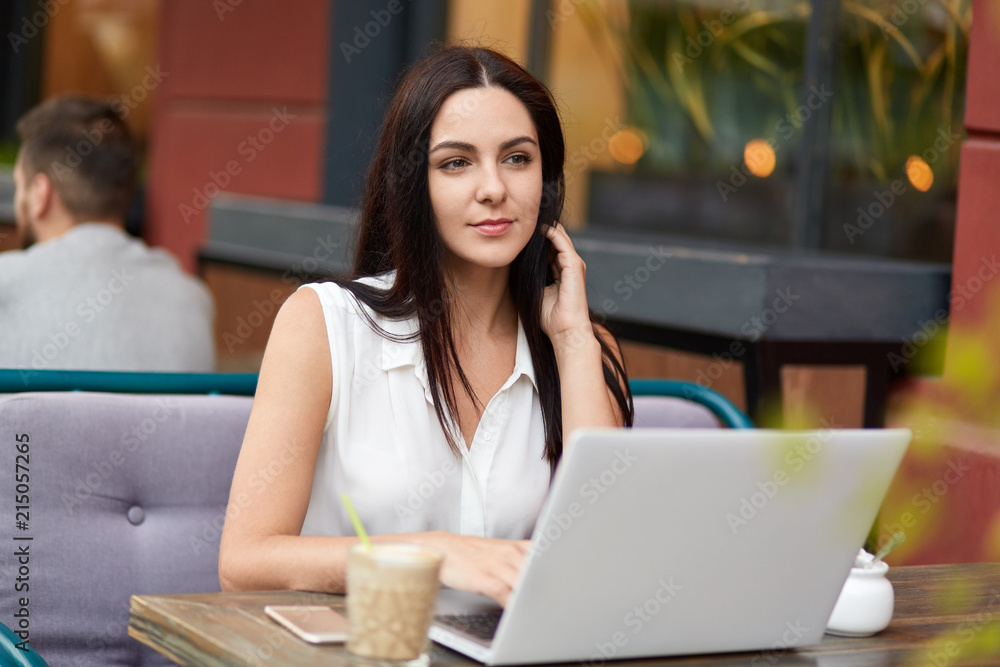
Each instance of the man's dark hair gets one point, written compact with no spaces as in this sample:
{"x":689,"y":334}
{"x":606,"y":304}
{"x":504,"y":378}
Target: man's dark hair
{"x":86,"y":150}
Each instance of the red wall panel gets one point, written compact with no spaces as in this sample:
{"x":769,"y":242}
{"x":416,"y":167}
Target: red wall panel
{"x":948,"y":507}
{"x":975,"y":273}
{"x":975,"y":281}
{"x":983,"y":98}
{"x":270,"y":154}
{"x":242,"y":109}
{"x":253,"y":51}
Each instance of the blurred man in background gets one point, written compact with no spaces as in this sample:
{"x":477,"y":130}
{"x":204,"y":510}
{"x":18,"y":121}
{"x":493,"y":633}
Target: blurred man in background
{"x":82,"y":294}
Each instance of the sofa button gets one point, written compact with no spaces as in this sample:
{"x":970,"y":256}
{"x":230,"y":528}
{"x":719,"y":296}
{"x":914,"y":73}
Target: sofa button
{"x":136,"y":515}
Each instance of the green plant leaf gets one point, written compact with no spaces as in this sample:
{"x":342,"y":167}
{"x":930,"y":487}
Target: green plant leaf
{"x":757,"y":20}
{"x":887,"y":26}
{"x":690,"y":94}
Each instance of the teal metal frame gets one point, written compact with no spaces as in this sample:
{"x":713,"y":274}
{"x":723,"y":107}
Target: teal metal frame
{"x":720,"y":406}
{"x":15,"y":657}
{"x":245,"y":384}
{"x":124,"y":382}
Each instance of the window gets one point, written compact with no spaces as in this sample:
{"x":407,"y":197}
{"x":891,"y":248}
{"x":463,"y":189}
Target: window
{"x":717,"y":123}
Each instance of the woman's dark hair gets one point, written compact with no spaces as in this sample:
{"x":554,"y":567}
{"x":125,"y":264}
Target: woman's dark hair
{"x":397,"y":231}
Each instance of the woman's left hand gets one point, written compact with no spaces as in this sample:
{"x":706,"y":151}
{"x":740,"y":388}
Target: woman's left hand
{"x":564,"y":303}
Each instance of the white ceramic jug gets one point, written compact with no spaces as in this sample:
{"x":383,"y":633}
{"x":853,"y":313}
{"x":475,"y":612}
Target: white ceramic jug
{"x":865,"y":604}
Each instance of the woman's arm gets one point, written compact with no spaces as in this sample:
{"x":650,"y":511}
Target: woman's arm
{"x":587,"y":401}
{"x":261,"y":547}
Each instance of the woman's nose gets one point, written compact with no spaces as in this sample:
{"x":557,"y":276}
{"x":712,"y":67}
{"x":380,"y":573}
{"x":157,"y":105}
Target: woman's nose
{"x":492,"y":188}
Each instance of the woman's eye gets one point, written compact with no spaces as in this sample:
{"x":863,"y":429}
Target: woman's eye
{"x":452,"y":165}
{"x":520,"y":158}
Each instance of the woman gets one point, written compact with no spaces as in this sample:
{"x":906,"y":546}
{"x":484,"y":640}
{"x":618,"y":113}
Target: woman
{"x":449,"y":314}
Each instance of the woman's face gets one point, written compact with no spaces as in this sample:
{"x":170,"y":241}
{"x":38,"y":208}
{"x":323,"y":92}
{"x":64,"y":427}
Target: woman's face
{"x":485,"y":177}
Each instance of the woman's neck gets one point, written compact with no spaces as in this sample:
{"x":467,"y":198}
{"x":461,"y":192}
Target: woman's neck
{"x":482,"y":303}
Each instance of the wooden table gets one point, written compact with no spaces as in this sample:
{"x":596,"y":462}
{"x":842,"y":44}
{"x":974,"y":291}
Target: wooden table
{"x":946,"y":615}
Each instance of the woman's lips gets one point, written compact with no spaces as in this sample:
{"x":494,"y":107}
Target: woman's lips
{"x":493,"y":227}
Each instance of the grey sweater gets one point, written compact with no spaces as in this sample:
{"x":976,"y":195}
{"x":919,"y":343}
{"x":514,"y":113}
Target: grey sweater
{"x":95,"y":298}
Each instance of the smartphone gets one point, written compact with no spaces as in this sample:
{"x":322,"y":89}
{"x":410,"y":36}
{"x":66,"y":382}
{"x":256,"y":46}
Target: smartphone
{"x":315,"y":624}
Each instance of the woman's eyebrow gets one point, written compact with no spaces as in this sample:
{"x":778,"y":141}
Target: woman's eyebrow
{"x":514,"y":142}
{"x":469,"y":148}
{"x":454,"y":145}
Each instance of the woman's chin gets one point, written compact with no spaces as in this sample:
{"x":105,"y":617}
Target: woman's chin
{"x":480,"y":262}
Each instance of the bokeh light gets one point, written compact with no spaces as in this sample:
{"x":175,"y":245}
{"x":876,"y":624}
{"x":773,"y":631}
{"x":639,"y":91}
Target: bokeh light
{"x":628,"y":145}
{"x":759,"y":158}
{"x":919,"y":173}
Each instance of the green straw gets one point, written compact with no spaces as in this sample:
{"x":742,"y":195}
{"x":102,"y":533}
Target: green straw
{"x":898,"y":538}
{"x":356,"y":520}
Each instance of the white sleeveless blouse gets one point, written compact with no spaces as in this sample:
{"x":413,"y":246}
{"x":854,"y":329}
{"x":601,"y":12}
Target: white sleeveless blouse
{"x":384,"y":446}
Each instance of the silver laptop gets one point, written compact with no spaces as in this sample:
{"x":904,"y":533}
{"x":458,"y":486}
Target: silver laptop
{"x":658,"y":542}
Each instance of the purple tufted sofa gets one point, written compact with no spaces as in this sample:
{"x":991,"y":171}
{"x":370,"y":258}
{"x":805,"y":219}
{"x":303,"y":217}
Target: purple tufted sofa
{"x":127,"y":495}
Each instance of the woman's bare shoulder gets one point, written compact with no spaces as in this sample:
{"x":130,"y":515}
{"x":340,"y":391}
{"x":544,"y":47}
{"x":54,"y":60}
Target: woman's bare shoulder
{"x":300,"y":317}
{"x":298,"y":346}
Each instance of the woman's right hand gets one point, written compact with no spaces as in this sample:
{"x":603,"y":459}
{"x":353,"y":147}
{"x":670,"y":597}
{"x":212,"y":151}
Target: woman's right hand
{"x":477,"y":564}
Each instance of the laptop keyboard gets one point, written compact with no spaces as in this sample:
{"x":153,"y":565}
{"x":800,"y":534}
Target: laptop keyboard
{"x":481,"y":626}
